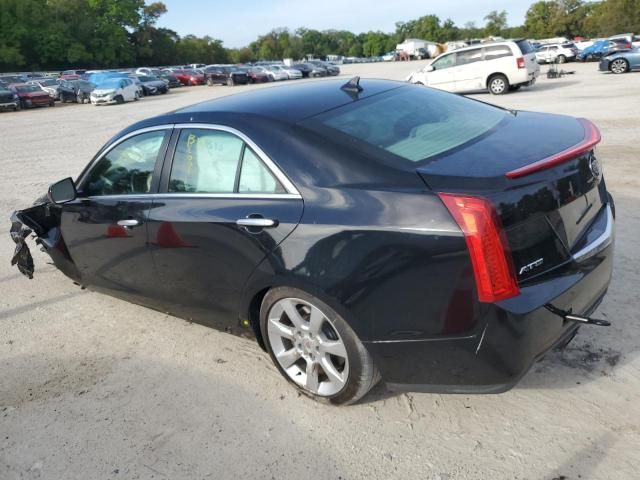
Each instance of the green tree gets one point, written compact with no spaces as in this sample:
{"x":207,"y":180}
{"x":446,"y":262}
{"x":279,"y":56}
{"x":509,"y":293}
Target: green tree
{"x":496,"y":22}
{"x":614,"y":16}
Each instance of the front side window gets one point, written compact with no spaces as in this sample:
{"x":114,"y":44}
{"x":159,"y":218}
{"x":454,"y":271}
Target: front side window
{"x":127,"y":168}
{"x":444,"y":62}
{"x":214,"y":161}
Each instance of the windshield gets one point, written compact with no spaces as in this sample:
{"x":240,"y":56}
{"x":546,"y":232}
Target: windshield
{"x":28,"y":88}
{"x":48,"y":82}
{"x":144,"y":78}
{"x":111,"y":83}
{"x":414,"y":123}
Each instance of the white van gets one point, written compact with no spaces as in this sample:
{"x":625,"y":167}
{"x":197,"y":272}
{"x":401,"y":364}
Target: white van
{"x":496,"y":66}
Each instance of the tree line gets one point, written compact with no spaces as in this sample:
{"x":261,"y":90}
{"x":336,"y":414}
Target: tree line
{"x":58,"y":34}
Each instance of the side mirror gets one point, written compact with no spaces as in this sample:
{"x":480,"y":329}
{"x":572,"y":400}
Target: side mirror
{"x":429,"y":68}
{"x":62,"y":191}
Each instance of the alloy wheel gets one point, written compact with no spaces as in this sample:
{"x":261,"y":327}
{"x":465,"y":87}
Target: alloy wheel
{"x":619,"y":66}
{"x":498,"y":86}
{"x":307,"y":346}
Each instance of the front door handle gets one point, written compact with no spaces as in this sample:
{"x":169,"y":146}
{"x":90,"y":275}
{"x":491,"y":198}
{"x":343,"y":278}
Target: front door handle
{"x":129,"y":223}
{"x":257,"y":222}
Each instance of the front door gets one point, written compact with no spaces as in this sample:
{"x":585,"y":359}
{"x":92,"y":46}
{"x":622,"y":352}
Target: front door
{"x":223,"y":207}
{"x":443,"y":74}
{"x":105,"y":228}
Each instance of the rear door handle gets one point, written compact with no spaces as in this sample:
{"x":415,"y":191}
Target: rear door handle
{"x":129,"y":223}
{"x":257,"y":222}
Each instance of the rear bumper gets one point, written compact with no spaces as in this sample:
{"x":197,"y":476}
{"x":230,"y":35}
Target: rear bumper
{"x":516,"y":333}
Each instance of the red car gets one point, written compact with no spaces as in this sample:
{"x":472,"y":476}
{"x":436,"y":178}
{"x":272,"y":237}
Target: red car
{"x":189,"y":77}
{"x":257,"y":75}
{"x":31,"y":95}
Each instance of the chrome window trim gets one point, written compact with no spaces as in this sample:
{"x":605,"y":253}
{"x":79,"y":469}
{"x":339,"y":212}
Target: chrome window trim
{"x":273,"y":168}
{"x":81,"y":179}
{"x":154,"y":196}
{"x":600,"y":243}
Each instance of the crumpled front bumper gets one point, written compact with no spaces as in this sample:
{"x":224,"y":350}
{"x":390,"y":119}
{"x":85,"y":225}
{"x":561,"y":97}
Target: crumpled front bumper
{"x":21,"y":255}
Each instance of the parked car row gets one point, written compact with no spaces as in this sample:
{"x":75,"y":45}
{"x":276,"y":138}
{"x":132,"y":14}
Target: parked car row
{"x":266,"y":72}
{"x":100,"y":87}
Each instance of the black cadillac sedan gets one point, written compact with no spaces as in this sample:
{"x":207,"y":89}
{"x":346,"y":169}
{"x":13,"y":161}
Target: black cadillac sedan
{"x":367,"y":231}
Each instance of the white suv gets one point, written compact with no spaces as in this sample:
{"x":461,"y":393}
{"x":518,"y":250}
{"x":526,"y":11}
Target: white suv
{"x":497,"y":66}
{"x":556,"y":53}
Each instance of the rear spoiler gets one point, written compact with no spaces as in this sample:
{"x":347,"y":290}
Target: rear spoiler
{"x":591,"y":138}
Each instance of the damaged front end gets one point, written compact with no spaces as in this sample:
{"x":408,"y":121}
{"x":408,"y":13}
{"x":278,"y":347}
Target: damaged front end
{"x":39,"y":219}
{"x":42,"y":220}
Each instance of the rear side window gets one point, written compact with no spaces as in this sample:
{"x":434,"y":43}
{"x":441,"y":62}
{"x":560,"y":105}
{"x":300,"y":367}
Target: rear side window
{"x":469,"y":56}
{"x":414,"y":123}
{"x":213,"y":161}
{"x":497,"y":51}
{"x":524,"y":46}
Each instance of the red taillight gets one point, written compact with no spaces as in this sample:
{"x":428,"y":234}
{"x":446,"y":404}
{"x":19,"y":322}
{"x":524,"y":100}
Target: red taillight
{"x":487,"y":244}
{"x":591,"y":139}
{"x":520,"y":62}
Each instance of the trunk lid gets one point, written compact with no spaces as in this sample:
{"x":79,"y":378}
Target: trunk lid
{"x":544,"y":213}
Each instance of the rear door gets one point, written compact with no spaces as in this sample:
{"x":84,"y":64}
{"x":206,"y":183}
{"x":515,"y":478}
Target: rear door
{"x":105,"y":228}
{"x":222,"y":207}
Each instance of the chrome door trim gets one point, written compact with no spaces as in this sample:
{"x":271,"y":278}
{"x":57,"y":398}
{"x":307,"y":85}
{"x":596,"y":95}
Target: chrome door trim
{"x":275,"y":170}
{"x":156,"y":196}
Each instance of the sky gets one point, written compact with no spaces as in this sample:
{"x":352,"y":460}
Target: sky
{"x":238,"y":23}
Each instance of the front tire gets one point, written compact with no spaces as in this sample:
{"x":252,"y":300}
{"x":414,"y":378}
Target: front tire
{"x":119,"y":100}
{"x":314,"y":348}
{"x":561,"y":59}
{"x":498,"y":85}
{"x":618,"y":66}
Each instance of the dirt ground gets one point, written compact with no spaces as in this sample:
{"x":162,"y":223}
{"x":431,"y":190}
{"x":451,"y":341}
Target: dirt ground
{"x":95,"y":388}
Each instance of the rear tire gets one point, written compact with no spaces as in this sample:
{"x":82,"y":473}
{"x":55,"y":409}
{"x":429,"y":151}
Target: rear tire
{"x":561,"y":59}
{"x":498,"y":84}
{"x":314,"y":348}
{"x":618,"y":66}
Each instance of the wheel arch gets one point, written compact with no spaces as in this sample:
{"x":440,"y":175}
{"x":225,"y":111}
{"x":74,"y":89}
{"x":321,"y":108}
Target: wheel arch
{"x":494,"y":74}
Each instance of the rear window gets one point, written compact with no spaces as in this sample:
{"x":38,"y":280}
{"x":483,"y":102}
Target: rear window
{"x":415,"y":123}
{"x":524,"y":46}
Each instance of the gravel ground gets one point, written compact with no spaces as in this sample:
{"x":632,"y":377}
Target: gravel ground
{"x":93,"y":387}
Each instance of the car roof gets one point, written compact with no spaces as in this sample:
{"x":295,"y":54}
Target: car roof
{"x":293,"y":103}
